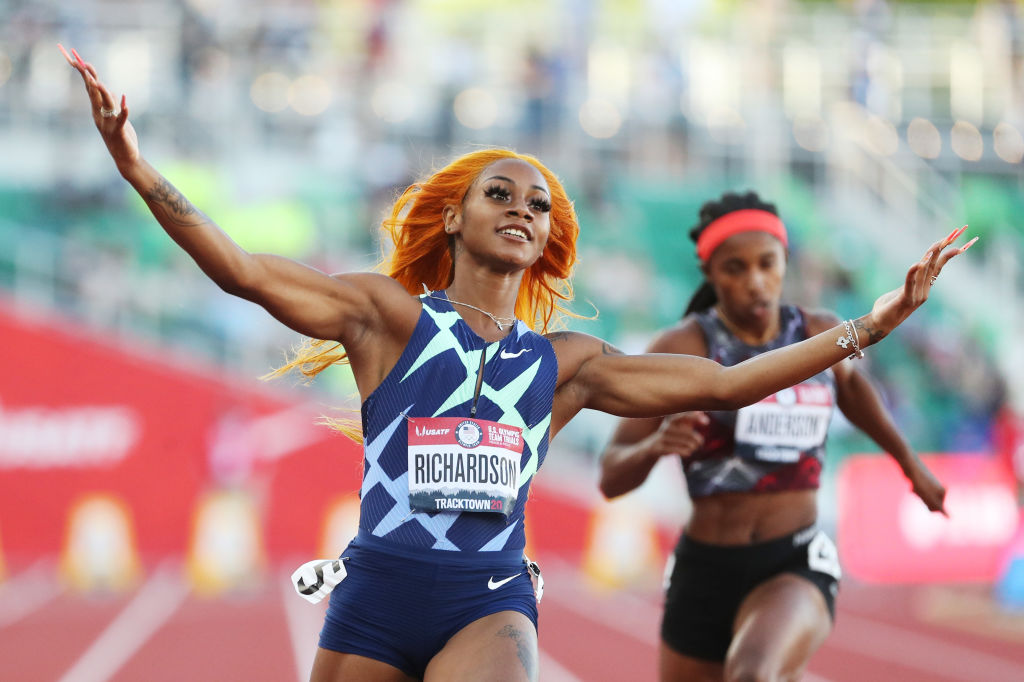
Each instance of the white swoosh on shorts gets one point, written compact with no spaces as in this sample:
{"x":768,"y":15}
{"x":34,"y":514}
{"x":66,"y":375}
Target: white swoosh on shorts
{"x":493,"y":584}
{"x":505,"y":355}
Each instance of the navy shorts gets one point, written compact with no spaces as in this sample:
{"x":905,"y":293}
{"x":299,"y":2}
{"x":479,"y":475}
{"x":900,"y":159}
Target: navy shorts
{"x":400,"y":605}
{"x":708,"y":583}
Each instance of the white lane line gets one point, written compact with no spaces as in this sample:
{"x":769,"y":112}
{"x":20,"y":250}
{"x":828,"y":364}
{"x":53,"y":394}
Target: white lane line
{"x":874,"y":639}
{"x":28,"y":591}
{"x":304,"y":621}
{"x":154,"y":603}
{"x":552,"y":671}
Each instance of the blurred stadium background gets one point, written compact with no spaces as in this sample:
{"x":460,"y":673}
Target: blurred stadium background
{"x":154,"y":494}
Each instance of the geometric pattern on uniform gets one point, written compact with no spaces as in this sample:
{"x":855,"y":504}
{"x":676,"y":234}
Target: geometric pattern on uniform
{"x":497,"y":543}
{"x":728,"y":468}
{"x":444,"y":335}
{"x":505,"y":398}
{"x":442,"y":341}
{"x":730,"y":474}
{"x":398,"y":489}
{"x":375,"y":474}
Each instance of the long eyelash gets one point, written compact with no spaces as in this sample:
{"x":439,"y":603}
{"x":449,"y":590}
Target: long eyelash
{"x":496,"y":192}
{"x":499,"y":192}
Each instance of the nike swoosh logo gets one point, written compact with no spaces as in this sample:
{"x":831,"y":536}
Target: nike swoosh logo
{"x":505,"y":355}
{"x":493,"y":584}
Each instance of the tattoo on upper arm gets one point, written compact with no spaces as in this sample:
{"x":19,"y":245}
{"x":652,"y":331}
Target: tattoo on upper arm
{"x":874,"y":335}
{"x":558,"y":336}
{"x":523,"y":648}
{"x":172,"y":201}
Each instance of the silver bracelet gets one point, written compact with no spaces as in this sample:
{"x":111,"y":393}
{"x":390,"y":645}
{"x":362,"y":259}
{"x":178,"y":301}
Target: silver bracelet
{"x":852,"y":338}
{"x":856,"y":340}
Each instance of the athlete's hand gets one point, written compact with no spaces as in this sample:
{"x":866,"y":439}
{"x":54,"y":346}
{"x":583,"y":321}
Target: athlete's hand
{"x":118,"y":133}
{"x":892,"y":308}
{"x":679,"y":434}
{"x":926,"y":486}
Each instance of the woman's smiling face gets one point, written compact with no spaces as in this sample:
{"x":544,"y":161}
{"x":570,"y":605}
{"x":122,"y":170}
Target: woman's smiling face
{"x":504,"y":219}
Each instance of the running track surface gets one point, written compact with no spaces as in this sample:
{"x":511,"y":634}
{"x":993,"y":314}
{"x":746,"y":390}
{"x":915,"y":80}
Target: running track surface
{"x":164,"y":631}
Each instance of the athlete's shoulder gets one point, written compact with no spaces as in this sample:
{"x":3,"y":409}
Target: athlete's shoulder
{"x":685,"y":337}
{"x":379,"y":288}
{"x":570,"y":343}
{"x":388,"y":314}
{"x":574,"y":349}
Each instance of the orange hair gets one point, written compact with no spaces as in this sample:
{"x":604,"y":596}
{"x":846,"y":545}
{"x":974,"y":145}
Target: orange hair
{"x":422,"y":253}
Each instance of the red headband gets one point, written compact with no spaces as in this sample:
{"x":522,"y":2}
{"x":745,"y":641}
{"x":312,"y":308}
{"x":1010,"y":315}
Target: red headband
{"x":745,"y":220}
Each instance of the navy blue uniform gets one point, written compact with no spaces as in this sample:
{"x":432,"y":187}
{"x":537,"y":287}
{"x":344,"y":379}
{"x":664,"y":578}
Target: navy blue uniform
{"x":414,"y":578}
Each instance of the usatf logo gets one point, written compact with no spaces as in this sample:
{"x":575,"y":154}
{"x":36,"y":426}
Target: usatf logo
{"x":469,"y":434}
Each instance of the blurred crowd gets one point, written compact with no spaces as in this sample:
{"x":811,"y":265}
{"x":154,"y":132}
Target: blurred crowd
{"x":874,"y":126}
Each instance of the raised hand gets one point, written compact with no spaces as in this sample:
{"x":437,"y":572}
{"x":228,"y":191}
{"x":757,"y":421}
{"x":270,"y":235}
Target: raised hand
{"x":895,"y":306}
{"x":110,"y":119}
{"x":680,"y":434}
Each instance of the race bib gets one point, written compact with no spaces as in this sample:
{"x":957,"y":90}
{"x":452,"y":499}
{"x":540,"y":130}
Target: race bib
{"x":461,"y":464}
{"x":783,"y":425}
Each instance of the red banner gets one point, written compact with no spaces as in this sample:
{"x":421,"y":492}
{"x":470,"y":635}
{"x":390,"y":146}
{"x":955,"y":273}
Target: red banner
{"x":886,"y":534}
{"x":81,"y":416}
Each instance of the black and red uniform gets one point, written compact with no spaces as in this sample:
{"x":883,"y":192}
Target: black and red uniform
{"x":777,"y":444}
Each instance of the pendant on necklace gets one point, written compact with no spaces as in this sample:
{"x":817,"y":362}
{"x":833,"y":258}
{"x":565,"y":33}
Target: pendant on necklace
{"x":494,"y":318}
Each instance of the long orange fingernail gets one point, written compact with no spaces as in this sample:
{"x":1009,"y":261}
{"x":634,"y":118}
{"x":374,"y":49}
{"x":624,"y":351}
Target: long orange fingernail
{"x":953,"y":235}
{"x":968,"y":244}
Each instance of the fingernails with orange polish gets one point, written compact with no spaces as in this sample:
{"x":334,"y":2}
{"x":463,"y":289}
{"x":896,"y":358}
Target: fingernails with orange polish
{"x":953,"y":235}
{"x":968,"y":245}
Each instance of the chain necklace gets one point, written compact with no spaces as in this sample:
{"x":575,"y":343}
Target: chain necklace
{"x":501,"y":322}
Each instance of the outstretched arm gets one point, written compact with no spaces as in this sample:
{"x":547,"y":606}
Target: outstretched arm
{"x":655,"y":385}
{"x":304,"y":298}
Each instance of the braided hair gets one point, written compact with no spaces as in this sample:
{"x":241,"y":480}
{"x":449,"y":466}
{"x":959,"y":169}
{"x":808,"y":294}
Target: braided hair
{"x":704,"y":297}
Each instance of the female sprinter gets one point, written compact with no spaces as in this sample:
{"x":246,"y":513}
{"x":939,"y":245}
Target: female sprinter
{"x":460,"y":396}
{"x":753,"y":583}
